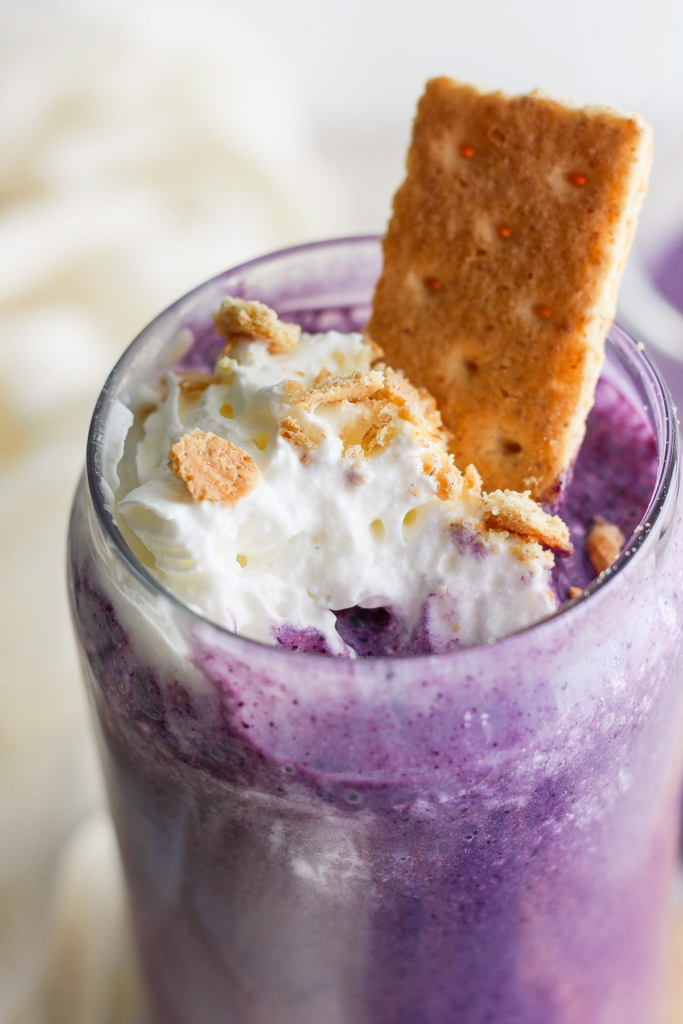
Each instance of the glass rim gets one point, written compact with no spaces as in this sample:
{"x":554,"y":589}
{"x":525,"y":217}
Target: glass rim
{"x":629,"y":351}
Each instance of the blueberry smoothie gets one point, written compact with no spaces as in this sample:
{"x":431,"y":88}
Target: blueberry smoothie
{"x":667,"y":273}
{"x":405,"y":829}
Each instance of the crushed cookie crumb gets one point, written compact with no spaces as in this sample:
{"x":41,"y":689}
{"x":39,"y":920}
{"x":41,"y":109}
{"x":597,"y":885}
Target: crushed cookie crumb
{"x":399,"y":391}
{"x":575,"y":592}
{"x":294,"y":391}
{"x":604,"y":543}
{"x":527,"y":550}
{"x":449,"y":480}
{"x":226,"y":368}
{"x":473,"y":481}
{"x":194,"y":384}
{"x":518,"y":512}
{"x":387,"y":412}
{"x":323,"y":375}
{"x":376,"y":437}
{"x":212,"y":468}
{"x":354,"y":453}
{"x":411,"y":412}
{"x":397,"y":388}
{"x":353,"y":388}
{"x":294,"y":433}
{"x":238,"y":319}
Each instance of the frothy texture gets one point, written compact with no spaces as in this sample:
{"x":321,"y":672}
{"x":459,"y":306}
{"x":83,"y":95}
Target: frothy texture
{"x":357,"y":505}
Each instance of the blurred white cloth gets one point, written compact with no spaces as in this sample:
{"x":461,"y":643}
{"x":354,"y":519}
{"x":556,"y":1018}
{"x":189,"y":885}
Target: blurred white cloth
{"x":138,"y":156}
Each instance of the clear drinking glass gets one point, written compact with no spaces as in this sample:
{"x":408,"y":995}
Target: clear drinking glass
{"x":487,"y":835}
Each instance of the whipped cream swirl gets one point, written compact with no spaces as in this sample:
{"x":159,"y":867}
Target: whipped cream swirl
{"x":353,"y":503}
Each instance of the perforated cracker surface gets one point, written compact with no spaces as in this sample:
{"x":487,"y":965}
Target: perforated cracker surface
{"x":501,"y":265}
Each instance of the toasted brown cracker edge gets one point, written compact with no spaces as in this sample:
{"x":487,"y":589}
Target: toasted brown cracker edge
{"x":501,"y":265}
{"x":212,"y":468}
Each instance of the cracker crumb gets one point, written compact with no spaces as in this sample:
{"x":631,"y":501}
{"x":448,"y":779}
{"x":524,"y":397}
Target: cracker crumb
{"x":376,"y":351}
{"x":194,"y":384}
{"x":518,"y":512}
{"x":398,"y":390}
{"x":411,"y":412}
{"x":376,"y":437}
{"x":238,"y":319}
{"x":386,"y":413}
{"x":449,"y":479}
{"x":354,"y":453}
{"x":527,"y":550}
{"x":604,"y":544}
{"x":294,"y":391}
{"x":212,"y":468}
{"x":226,"y":368}
{"x":473,"y":481}
{"x":353,"y":387}
{"x":353,"y":459}
{"x":294,"y":433}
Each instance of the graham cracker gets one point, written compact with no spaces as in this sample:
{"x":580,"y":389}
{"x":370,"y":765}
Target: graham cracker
{"x":501,"y":265}
{"x":519,"y":513}
{"x":212,"y":468}
{"x":294,"y":433}
{"x":238,"y":319}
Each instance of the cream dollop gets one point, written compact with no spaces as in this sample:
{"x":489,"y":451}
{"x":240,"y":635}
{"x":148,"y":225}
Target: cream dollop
{"x":357,"y":504}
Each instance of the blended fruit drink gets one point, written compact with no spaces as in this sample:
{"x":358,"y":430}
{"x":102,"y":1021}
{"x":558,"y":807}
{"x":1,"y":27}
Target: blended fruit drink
{"x":382,"y":745}
{"x":487,"y":834}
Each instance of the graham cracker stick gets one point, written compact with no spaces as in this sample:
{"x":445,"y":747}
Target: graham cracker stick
{"x":501,"y":266}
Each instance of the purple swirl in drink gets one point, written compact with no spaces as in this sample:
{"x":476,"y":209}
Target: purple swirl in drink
{"x":486,"y":834}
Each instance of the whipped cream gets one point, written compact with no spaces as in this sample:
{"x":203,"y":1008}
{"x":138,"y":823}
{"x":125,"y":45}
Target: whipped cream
{"x":353,"y":501}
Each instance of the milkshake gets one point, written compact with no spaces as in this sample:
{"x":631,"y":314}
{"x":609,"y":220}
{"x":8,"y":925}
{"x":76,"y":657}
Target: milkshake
{"x":389,"y":706}
{"x":483,"y":834}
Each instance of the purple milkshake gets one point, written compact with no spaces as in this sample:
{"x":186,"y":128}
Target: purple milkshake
{"x":485,"y":835}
